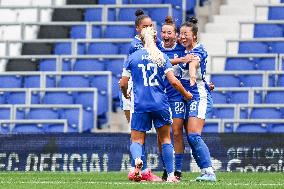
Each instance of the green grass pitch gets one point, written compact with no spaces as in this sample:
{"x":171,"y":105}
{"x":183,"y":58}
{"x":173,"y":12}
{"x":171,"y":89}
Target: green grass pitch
{"x":63,"y":180}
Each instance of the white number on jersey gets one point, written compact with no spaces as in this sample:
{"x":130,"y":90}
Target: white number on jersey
{"x":179,"y":107}
{"x":151,"y":81}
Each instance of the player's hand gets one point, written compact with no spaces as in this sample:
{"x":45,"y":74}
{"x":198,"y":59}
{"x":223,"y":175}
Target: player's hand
{"x":211,"y":86}
{"x":188,"y":96}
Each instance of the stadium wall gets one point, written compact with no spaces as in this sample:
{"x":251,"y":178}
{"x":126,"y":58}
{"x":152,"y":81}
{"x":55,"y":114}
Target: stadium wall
{"x":110,"y":152}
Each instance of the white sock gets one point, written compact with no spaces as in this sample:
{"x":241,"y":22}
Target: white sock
{"x":209,"y":170}
{"x":171,"y":174}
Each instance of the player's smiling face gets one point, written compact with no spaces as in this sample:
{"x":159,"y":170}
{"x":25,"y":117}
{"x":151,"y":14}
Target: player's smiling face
{"x":187,"y":38}
{"x":168,"y":35}
{"x":146,"y":22}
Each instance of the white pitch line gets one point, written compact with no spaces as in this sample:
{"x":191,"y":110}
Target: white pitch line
{"x":143,"y":183}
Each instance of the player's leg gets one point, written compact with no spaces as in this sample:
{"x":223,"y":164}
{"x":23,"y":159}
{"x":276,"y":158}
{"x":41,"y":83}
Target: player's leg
{"x":162,"y":122}
{"x":200,"y":150}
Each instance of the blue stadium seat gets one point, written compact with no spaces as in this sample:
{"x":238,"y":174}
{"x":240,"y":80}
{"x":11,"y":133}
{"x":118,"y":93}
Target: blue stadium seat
{"x":229,"y":127}
{"x":272,"y":80}
{"x":117,"y":31}
{"x":50,"y":81}
{"x":177,"y":14}
{"x":253,"y":47}
{"x":47,"y":65}
{"x":58,"y":98}
{"x":124,"y":48}
{"x":274,"y":97}
{"x":2,"y":98}
{"x":5,"y":113}
{"x":280,"y":81}
{"x":268,"y":30}
{"x":96,"y":31}
{"x":78,"y":32}
{"x":28,"y":128}
{"x":266,"y":64}
{"x":210,"y":128}
{"x":239,"y":64}
{"x":66,"y":65}
{"x":225,"y":113}
{"x":251,"y":128}
{"x":254,"y":80}
{"x":219,"y":97}
{"x":35,"y":98}
{"x":175,"y":3}
{"x":100,"y":82}
{"x":147,"y":2}
{"x":74,"y":81}
{"x":238,"y":97}
{"x":42,"y":113}
{"x":225,"y":80}
{"x":127,"y":14}
{"x":244,"y":113}
{"x":277,"y":128}
{"x":65,"y":48}
{"x":107,"y":1}
{"x":159,"y":14}
{"x":10,"y":81}
{"x":4,"y":129}
{"x":276,"y":13}
{"x":72,"y":116}
{"x":277,"y":47}
{"x":190,"y":5}
{"x":85,"y":98}
{"x":265,"y":113}
{"x":20,"y":113}
{"x":16,"y":97}
{"x":88,"y":119}
{"x":102,"y":48}
{"x":31,"y":81}
{"x":93,"y":14}
{"x":88,"y":65}
{"x":258,"y":97}
{"x":115,"y":66}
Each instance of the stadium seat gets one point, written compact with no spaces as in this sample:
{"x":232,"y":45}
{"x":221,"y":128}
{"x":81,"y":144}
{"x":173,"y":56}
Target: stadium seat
{"x":100,"y":82}
{"x":107,"y":2}
{"x":274,"y":97}
{"x":219,"y":97}
{"x":252,"y":47}
{"x":35,"y":98}
{"x":225,"y":80}
{"x":93,"y":14}
{"x":254,"y":80}
{"x":66,"y":49}
{"x":127,"y":14}
{"x":266,"y":64}
{"x":85,"y":98}
{"x":251,"y":128}
{"x":47,"y":65}
{"x":67,"y":15}
{"x":159,"y":14}
{"x":10,"y":81}
{"x":265,"y":113}
{"x":8,"y":15}
{"x":2,"y":97}
{"x":277,"y":47}
{"x":277,"y":128}
{"x":224,"y":113}
{"x":32,"y":81}
{"x":268,"y":30}
{"x":74,"y":81}
{"x":16,"y":98}
{"x":50,"y":81}
{"x":238,"y":97}
{"x":78,"y":32}
{"x":239,"y":64}
{"x":115,"y":66}
{"x":117,"y":31}
{"x":276,"y":13}
{"x":96,"y":31}
{"x":28,"y":128}
{"x":88,"y":120}
{"x":211,"y":128}
{"x":72,"y":116}
{"x":66,"y":65}
{"x":280,"y":81}
{"x":175,"y":3}
{"x":42,"y":113}
{"x":111,"y":16}
{"x":147,"y":2}
{"x":58,"y":98}
{"x":244,"y":113}
{"x":4,"y":129}
{"x":5,"y":113}
{"x":89,"y":65}
{"x":102,"y":48}
{"x":258,"y":97}
{"x":124,"y":48}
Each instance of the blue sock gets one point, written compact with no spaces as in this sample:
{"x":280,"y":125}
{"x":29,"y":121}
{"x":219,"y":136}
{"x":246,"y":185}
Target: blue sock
{"x":162,"y":160}
{"x":200,"y":150}
{"x":178,"y":162}
{"x":144,"y":158}
{"x":168,"y":156}
{"x":136,"y":151}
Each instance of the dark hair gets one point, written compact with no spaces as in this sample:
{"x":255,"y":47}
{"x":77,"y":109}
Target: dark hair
{"x":192,"y":23}
{"x":169,"y":21}
{"x":140,"y":16}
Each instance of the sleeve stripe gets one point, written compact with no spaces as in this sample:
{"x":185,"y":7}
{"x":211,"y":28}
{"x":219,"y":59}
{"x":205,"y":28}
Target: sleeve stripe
{"x":167,"y":70}
{"x":126,"y":73}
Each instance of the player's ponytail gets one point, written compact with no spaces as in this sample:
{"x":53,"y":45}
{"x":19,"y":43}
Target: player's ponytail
{"x":139,"y":17}
{"x":155,"y":55}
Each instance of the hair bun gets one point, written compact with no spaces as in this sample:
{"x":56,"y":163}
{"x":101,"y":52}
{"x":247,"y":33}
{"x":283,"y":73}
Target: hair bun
{"x":169,"y":20}
{"x":193,"y":20}
{"x":139,"y":12}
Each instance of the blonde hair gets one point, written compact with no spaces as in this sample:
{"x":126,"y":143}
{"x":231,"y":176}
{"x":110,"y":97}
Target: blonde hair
{"x":155,"y":55}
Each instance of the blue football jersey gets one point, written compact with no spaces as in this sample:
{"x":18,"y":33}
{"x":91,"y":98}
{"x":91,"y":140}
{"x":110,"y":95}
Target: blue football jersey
{"x":176,"y":51}
{"x":148,"y":82}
